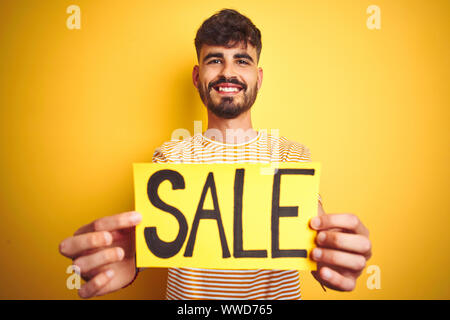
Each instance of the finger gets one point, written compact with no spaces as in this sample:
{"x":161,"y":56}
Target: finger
{"x":344,"y":221}
{"x":320,"y":210}
{"x":335,"y":280}
{"x":111,"y":223}
{"x":338,"y":258}
{"x":90,"y":288}
{"x":344,"y":241}
{"x":98,"y":259}
{"x":119,"y":235}
{"x":72,"y":247}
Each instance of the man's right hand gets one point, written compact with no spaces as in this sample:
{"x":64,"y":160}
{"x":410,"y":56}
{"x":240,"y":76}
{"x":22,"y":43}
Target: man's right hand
{"x":104,"y":250}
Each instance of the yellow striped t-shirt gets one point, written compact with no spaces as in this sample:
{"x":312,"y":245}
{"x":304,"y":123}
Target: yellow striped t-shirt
{"x":197,"y":283}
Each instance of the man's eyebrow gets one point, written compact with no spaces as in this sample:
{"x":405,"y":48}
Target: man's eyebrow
{"x":213,"y":55}
{"x":220,"y":55}
{"x":243,"y":55}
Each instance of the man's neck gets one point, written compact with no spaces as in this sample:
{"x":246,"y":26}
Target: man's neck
{"x":230,"y":131}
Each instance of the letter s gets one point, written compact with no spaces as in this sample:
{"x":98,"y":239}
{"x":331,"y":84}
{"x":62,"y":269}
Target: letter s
{"x":157,"y":246}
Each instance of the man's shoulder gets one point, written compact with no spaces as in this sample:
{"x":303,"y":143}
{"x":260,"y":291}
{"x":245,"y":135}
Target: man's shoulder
{"x":173,"y":148}
{"x":290,"y":150}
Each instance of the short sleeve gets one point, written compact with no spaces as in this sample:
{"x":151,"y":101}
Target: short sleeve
{"x":298,"y":153}
{"x":158,"y":156}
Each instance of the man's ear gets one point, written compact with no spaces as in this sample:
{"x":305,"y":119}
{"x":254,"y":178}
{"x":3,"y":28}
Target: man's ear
{"x":195,"y":75}
{"x":260,"y":77}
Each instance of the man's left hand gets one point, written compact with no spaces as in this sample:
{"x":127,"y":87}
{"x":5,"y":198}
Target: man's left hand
{"x":343,"y":248}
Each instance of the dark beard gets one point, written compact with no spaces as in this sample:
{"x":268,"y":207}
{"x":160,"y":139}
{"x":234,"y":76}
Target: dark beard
{"x":227,"y":109}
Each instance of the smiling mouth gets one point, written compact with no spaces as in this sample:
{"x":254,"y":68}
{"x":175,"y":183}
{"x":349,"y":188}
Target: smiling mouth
{"x":228,"y":88}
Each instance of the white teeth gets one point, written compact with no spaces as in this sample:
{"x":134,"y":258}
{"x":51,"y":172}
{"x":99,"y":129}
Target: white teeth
{"x":228,"y":89}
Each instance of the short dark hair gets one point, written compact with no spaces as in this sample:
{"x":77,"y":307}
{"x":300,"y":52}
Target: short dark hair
{"x":227,"y":28}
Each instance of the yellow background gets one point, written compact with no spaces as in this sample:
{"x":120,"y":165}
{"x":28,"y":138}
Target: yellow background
{"x":294,"y":232}
{"x":78,"y":107}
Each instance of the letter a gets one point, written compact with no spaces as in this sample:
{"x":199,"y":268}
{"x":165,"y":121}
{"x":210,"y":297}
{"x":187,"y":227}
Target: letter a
{"x":74,"y":20}
{"x":73,"y":281}
{"x":207,"y":214}
{"x":374,"y":21}
{"x":374,"y":280}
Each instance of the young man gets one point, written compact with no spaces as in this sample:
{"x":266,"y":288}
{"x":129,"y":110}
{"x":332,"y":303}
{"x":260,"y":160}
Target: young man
{"x":228,"y":79}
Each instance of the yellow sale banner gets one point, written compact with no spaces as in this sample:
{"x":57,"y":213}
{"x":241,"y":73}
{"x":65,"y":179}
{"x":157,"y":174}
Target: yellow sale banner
{"x":226,"y":216}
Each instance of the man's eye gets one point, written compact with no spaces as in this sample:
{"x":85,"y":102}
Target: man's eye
{"x":214,"y":61}
{"x":242,"y":62}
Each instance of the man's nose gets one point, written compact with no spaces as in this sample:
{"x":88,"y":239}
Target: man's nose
{"x":228,"y":70}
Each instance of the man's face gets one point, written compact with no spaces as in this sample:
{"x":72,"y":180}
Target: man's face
{"x":228,"y":79}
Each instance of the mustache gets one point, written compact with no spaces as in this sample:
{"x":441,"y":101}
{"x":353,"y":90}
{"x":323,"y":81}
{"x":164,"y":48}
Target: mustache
{"x":225,"y":80}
